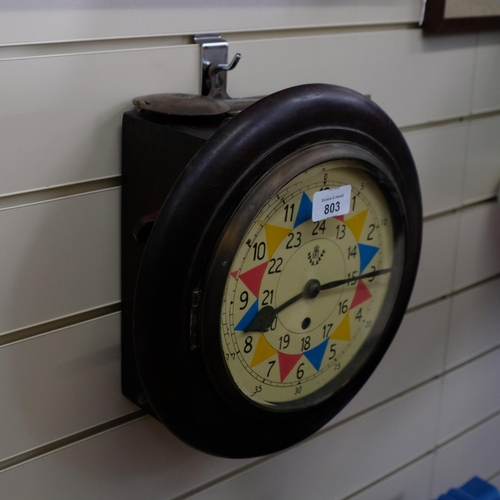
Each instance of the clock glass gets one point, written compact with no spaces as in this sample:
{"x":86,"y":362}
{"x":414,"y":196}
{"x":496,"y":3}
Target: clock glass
{"x":309,"y":280}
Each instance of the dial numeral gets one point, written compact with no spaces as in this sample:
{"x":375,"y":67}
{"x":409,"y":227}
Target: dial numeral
{"x":327,"y":329}
{"x":319,"y":226}
{"x":275,"y":266}
{"x":268,"y":297}
{"x":333,"y":352}
{"x":352,"y":251}
{"x":248,"y":344}
{"x":294,"y":240}
{"x":353,"y":277}
{"x":373,"y":268}
{"x":343,"y":307}
{"x":244,"y":300}
{"x":284,"y":341}
{"x":259,"y":250}
{"x":272,"y":363}
{"x":306,"y":343}
{"x":359,"y":316}
{"x":274,"y":324}
{"x":289,"y":210}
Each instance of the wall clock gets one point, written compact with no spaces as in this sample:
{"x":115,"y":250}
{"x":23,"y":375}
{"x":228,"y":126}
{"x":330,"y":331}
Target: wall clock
{"x":283,"y":253}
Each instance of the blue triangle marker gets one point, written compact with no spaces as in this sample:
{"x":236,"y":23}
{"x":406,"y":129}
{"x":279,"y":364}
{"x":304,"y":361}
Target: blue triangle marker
{"x":249,"y":316}
{"x":315,"y":356}
{"x":305,"y":210}
{"x":475,"y":489}
{"x":480,"y":489}
{"x":366,"y":254}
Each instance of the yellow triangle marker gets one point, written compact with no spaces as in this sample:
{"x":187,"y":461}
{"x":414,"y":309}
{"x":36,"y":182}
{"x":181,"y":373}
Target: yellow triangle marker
{"x":274,"y":236}
{"x":356,"y":223}
{"x":263,"y":351}
{"x":343,"y":331}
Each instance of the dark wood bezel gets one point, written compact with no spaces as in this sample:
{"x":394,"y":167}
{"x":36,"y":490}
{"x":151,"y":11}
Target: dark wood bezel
{"x":169,"y":330}
{"x":434,"y":22}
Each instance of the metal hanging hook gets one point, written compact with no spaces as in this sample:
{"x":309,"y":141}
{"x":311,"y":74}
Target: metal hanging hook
{"x":218,"y":80}
{"x":214,"y":99}
{"x":214,"y":65}
{"x":231,"y":65}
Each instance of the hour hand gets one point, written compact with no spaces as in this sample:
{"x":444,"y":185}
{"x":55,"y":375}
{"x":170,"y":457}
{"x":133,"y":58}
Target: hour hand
{"x":262,"y":321}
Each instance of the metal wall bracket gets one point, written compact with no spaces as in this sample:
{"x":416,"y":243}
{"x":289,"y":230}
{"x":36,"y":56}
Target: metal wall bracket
{"x":214,"y":99}
{"x":214,"y":65}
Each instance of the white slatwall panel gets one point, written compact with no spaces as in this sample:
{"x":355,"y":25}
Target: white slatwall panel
{"x":62,"y":121}
{"x":483,"y":160}
{"x":486,"y":89}
{"x":475,"y":453}
{"x":440,"y":155}
{"x":474,"y":323}
{"x":22,"y":22}
{"x":141,"y":460}
{"x":58,"y":258}
{"x":437,"y":261}
{"x":60,"y":383}
{"x":345,"y":459}
{"x":64,"y":113}
{"x":471,"y":393}
{"x":495,"y":481}
{"x":401,"y":70}
{"x":478,"y":254}
{"x":411,"y":483}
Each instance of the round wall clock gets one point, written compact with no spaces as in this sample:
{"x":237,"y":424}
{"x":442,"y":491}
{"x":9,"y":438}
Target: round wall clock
{"x":278,"y":271}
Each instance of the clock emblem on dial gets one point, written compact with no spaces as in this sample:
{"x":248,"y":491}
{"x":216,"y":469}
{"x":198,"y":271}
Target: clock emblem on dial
{"x":277,"y":272}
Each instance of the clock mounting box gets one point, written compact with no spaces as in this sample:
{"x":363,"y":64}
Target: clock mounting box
{"x":155,"y":150}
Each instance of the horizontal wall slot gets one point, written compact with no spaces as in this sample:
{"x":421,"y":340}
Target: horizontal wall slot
{"x":35,"y":50}
{"x":52,"y":193}
{"x":57,"y":324}
{"x":69,"y":440}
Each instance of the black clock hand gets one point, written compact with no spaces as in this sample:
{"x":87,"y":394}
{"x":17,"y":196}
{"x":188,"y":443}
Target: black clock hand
{"x":334,"y":284}
{"x":265,"y":317}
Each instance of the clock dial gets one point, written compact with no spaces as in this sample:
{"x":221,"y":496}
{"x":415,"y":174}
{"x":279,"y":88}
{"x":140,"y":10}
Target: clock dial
{"x":302,"y":297}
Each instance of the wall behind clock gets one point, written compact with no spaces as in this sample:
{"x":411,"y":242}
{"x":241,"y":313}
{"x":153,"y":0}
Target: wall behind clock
{"x":428,"y":419}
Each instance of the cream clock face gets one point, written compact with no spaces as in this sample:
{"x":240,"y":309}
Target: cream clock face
{"x":302,"y":295}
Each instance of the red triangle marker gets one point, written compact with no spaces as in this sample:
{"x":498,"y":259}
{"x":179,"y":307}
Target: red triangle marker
{"x":234,"y":274}
{"x":340,"y":217}
{"x":253,"y":278}
{"x":287,"y":362}
{"x":362,"y":294}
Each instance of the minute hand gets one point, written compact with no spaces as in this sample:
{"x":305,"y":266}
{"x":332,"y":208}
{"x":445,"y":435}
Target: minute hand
{"x":265,"y":317}
{"x":334,"y":284}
